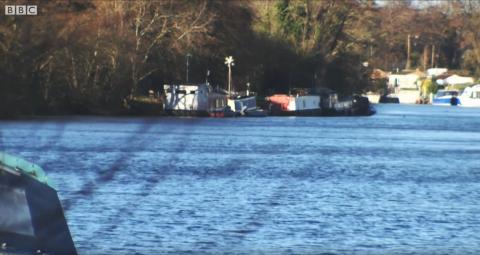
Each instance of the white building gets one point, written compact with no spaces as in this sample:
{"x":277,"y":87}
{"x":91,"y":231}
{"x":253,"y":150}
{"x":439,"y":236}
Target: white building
{"x":406,"y":86}
{"x":436,"y":71}
{"x":458,"y":80}
{"x":404,"y":81}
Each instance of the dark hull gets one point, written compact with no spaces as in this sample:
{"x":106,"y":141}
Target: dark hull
{"x":310,"y":112}
{"x":355,"y":106}
{"x":187,"y":113}
{"x":349,"y":112}
{"x":255,"y":113}
{"x":360,"y":106}
{"x":388,"y":100}
{"x":45,"y":229}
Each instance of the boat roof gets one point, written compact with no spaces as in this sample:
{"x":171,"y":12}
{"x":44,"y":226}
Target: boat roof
{"x":20,"y":165}
{"x":244,"y":97}
{"x":193,"y":85}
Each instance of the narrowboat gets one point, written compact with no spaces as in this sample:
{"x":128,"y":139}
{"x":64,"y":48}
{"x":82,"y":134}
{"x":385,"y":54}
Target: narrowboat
{"x":354,"y":106}
{"x":32,"y":220}
{"x":294,"y":105}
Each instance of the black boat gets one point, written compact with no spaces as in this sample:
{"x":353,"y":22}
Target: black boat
{"x":388,"y":99}
{"x":31,"y":216}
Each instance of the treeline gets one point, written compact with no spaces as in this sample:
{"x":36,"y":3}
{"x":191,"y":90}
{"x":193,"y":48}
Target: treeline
{"x":94,"y":56}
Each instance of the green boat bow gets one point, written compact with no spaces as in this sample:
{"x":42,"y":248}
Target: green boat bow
{"x":22,"y":166}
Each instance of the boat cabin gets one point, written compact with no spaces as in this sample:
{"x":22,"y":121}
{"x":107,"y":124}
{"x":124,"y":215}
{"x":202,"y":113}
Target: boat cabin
{"x":199,"y":99}
{"x":470,"y":97}
{"x":31,"y":216}
{"x":294,"y":104}
{"x":243,"y":104}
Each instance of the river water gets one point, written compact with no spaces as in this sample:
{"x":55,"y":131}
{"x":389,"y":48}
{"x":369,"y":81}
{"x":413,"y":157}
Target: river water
{"x":406,"y":180}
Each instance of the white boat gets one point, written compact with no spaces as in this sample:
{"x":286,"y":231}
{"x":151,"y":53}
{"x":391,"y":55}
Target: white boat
{"x":445,"y":97}
{"x":291,"y":105}
{"x":245,"y":104}
{"x":195,"y":100}
{"x":242,"y":104}
{"x":470,"y":96}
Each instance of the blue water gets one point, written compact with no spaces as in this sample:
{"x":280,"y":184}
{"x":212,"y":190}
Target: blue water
{"x":406,"y":180}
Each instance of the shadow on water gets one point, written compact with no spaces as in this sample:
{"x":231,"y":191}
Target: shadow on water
{"x":126,"y":211}
{"x":107,"y":175}
{"x":55,"y":139}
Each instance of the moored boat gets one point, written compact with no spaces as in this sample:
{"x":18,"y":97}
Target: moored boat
{"x":294,"y":105}
{"x":354,"y":106}
{"x":389,"y":99}
{"x":196,"y":100}
{"x":445,"y":97}
{"x":245,"y":105}
{"x":470,"y":97}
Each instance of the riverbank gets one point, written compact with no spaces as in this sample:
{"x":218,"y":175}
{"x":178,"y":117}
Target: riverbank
{"x":153,"y":106}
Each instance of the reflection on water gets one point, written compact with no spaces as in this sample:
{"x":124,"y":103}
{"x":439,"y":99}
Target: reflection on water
{"x":403,"y":181}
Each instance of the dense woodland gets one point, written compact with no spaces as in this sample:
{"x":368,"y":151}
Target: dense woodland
{"x":93,"y":56}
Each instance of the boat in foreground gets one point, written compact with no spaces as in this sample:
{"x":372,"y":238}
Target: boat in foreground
{"x":31,"y":216}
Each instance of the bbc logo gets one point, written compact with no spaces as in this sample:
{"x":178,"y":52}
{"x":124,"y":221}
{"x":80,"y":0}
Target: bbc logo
{"x":20,"y":10}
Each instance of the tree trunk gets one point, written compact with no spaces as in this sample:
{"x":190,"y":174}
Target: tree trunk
{"x":425,"y":57}
{"x":408,"y":64}
{"x":433,"y":56}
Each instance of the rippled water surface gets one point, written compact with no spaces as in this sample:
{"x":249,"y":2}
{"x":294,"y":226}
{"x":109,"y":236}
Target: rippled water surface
{"x":406,"y":180}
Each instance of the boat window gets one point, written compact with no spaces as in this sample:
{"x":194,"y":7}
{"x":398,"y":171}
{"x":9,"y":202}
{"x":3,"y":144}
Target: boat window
{"x":181,"y":91}
{"x":440,"y":94}
{"x":192,"y":91}
{"x":169,"y":90}
{"x":14,"y":211}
